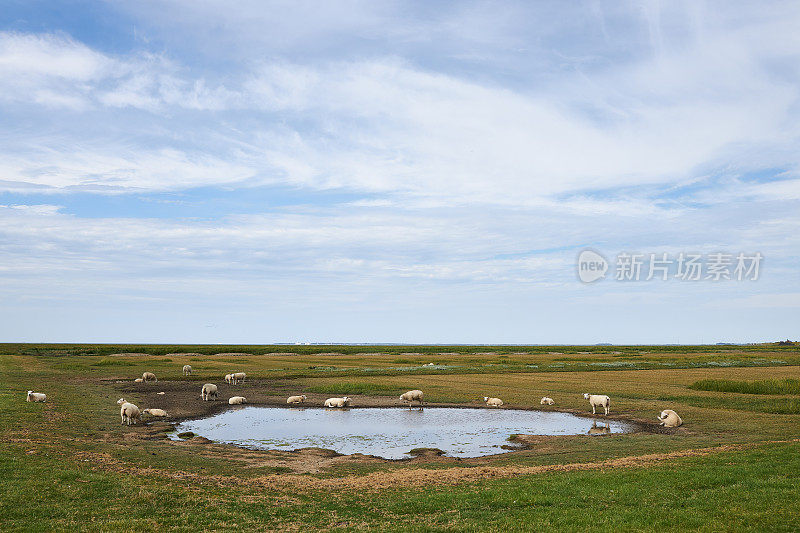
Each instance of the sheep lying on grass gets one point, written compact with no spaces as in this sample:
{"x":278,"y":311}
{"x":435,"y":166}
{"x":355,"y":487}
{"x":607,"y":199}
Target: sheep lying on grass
{"x":149,"y":376}
{"x":237,"y":400}
{"x":208,"y":391}
{"x":600,"y":400}
{"x":296,"y":399}
{"x":493,"y":402}
{"x":36,"y":397}
{"x":413,"y":396}
{"x":128,"y":412}
{"x":546,"y":401}
{"x":670,"y":418}
{"x":238,"y":377}
{"x":187,"y":369}
{"x":337,"y":402}
{"x":160,"y":413}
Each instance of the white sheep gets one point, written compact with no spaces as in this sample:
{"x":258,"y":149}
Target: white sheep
{"x":337,"y":402}
{"x":138,"y":380}
{"x":546,"y":401}
{"x":36,"y":397}
{"x":128,"y":412}
{"x":237,"y":400}
{"x":492,"y":402}
{"x":228,"y":378}
{"x":149,"y":376}
{"x":670,"y":418}
{"x":598,"y":400}
{"x":239,"y":377}
{"x":208,"y":390}
{"x":155,"y":412}
{"x":296,"y":399}
{"x":413,"y":396}
{"x":187,"y":369}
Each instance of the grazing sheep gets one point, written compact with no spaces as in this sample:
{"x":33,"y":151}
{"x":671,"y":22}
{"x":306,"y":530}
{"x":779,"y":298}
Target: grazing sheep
{"x":337,"y":402}
{"x":598,"y":400}
{"x":670,"y":419}
{"x":546,"y":401}
{"x":208,"y":390}
{"x":493,"y":402}
{"x":138,"y":380}
{"x":413,"y":396}
{"x":239,"y":377}
{"x":155,"y":412}
{"x":128,"y":412}
{"x":36,"y":397}
{"x":187,"y":369}
{"x":296,"y":399}
{"x":237,"y":400}
{"x":149,"y":376}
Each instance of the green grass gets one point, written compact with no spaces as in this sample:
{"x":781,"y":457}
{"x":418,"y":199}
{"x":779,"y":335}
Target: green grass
{"x":767,"y":386}
{"x":353,"y":388}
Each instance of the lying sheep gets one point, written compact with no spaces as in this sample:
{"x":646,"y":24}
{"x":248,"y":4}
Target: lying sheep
{"x":36,"y":397}
{"x":492,"y":402}
{"x":237,"y":400}
{"x":598,"y":400}
{"x":149,"y":376}
{"x":138,"y":380}
{"x":670,"y":418}
{"x":546,"y":401}
{"x":208,"y":390}
{"x":413,"y":396}
{"x":187,"y":369}
{"x":239,"y":377}
{"x":337,"y":402}
{"x":128,"y":412}
{"x":155,"y":412}
{"x":296,"y":399}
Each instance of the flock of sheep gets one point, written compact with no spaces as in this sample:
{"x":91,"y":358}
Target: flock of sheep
{"x":131,"y":414}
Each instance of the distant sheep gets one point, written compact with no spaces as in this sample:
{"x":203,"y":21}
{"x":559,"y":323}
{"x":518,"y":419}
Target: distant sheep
{"x":187,"y":369}
{"x":128,"y":412}
{"x":208,"y":391}
{"x":413,"y":396}
{"x":670,"y":418}
{"x":239,"y":377}
{"x":138,"y":380}
{"x":237,"y":400}
{"x":155,"y":412}
{"x":36,"y":397}
{"x":546,"y":401}
{"x":228,"y":378}
{"x":337,"y":402}
{"x":296,"y":399}
{"x":492,"y":402}
{"x":149,"y":376}
{"x":598,"y":400}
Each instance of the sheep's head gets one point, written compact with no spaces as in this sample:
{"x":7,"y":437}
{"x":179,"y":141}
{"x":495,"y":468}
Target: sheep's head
{"x":345,"y":399}
{"x":145,"y":411}
{"x":586,"y":396}
{"x":304,"y":397}
{"x":664,"y":414}
{"x":485,"y":398}
{"x":30,"y":392}
{"x":120,"y":401}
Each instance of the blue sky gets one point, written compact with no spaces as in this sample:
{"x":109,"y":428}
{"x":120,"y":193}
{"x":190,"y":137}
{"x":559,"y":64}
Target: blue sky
{"x":379,"y":171}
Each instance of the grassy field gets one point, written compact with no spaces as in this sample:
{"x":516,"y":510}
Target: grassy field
{"x":734,"y":466}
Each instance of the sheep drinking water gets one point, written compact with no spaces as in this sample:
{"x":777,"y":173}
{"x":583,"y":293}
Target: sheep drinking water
{"x":413,"y":396}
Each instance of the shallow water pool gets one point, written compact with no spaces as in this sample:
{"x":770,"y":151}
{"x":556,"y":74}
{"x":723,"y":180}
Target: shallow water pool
{"x":389,"y":433}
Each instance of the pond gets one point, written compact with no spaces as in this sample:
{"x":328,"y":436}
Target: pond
{"x":389,"y":433}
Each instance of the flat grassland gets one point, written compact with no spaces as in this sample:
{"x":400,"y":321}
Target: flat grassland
{"x":734,"y":466}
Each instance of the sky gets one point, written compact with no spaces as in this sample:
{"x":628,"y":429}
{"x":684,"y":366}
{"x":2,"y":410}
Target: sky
{"x":202,"y":171}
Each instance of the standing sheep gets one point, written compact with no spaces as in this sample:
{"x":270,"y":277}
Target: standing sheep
{"x":413,"y":396}
{"x":337,"y":402}
{"x":208,"y":390}
{"x":493,"y":402}
{"x":149,"y":376}
{"x":296,"y":399}
{"x":128,"y":412}
{"x":239,"y":377}
{"x":187,"y":369}
{"x":36,"y":397}
{"x":160,"y":413}
{"x":600,"y":400}
{"x":669,"y":419}
{"x":237,"y":400}
{"x":228,"y":378}
{"x":546,"y":401}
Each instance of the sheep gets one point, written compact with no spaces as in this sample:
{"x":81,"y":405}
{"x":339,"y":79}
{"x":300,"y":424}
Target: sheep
{"x":337,"y":402}
{"x":239,"y":377}
{"x":138,"y":380}
{"x":208,"y":390}
{"x":296,"y":399}
{"x":493,"y":402}
{"x":228,"y":378}
{"x":237,"y":400}
{"x":669,"y":419}
{"x":413,"y":396}
{"x":149,"y":376}
{"x":598,"y":400}
{"x":36,"y":397}
{"x":155,"y":412}
{"x":546,"y":401}
{"x":128,"y":412}
{"x":187,"y":369}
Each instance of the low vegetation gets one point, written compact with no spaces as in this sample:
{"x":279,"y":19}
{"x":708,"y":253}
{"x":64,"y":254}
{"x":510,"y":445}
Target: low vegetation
{"x":766,"y":386}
